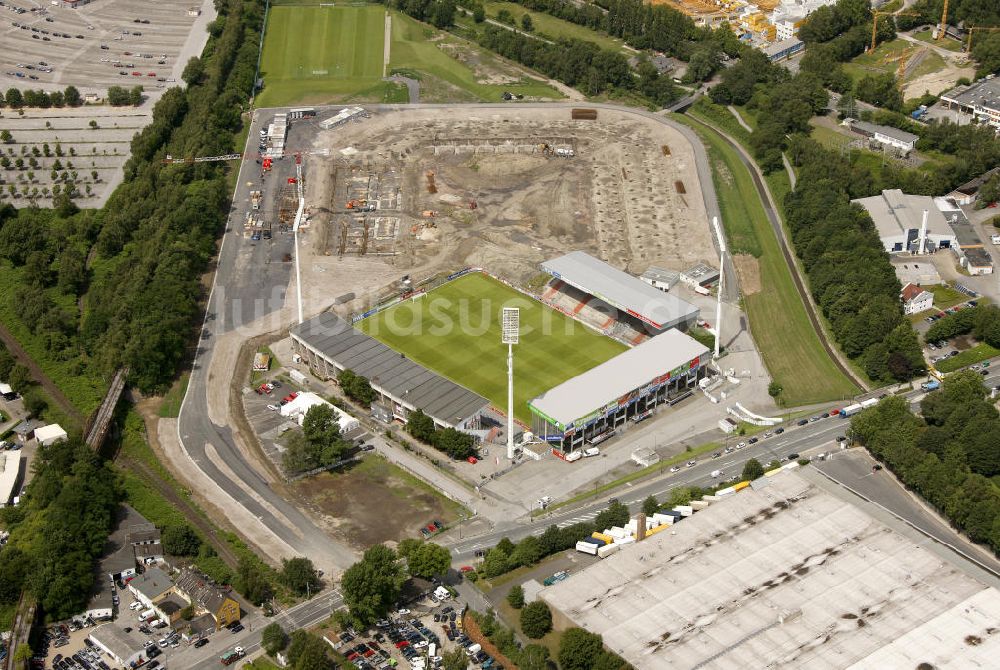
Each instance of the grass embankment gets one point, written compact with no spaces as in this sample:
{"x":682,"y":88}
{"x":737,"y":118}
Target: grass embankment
{"x":945,"y":296}
{"x":455,"y":330}
{"x":976,"y":354}
{"x":170,"y":408}
{"x":789,"y":345}
{"x":886,"y":57}
{"x":451,"y":69}
{"x":555,"y":28}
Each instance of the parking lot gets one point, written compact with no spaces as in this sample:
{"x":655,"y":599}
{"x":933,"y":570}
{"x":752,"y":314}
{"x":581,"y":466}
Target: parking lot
{"x":100,"y":44}
{"x":412,"y":638}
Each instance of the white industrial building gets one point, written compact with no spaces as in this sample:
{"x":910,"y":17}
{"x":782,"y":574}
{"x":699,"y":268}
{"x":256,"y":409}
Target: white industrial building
{"x":50,"y":434}
{"x":125,"y":649}
{"x":660,"y":278}
{"x":981,"y":100}
{"x":899,"y":220}
{"x":884,"y":135}
{"x":343,"y":116}
{"x":10,"y":474}
{"x":297,"y":408}
{"x":789,"y":573}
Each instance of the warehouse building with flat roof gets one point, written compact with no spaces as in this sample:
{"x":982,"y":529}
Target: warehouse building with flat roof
{"x":591,"y":407}
{"x":785,"y":574}
{"x":328,"y":344}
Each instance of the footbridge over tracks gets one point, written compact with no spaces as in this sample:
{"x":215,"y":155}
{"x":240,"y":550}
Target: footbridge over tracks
{"x":97,"y":427}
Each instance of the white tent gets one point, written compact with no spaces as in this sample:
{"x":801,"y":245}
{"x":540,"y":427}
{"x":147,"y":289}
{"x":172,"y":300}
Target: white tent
{"x":297,"y":408}
{"x":47,"y":435}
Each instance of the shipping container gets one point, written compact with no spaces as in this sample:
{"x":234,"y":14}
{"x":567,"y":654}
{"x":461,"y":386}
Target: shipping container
{"x":664,"y":519}
{"x":626,"y":540}
{"x":771,"y":473}
{"x":594,"y":541}
{"x":710,"y":498}
{"x":728,"y":491}
{"x":697,"y":505}
{"x":601,"y":536}
{"x":741,"y":485}
{"x":587,"y":548}
{"x":616,"y":531}
{"x":658,"y":529}
{"x":604,"y":552}
{"x":685,"y":510}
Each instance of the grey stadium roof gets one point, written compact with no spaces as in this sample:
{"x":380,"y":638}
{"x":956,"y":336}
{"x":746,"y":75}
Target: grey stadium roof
{"x":581,"y":395}
{"x":784,"y":576}
{"x":620,"y":289}
{"x":388,"y":370}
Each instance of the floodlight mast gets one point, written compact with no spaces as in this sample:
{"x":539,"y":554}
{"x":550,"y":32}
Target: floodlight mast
{"x":510,"y":327}
{"x":722,"y":276}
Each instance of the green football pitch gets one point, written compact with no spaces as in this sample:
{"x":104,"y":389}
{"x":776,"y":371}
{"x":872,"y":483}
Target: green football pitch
{"x":455,"y":331}
{"x":312,"y":53}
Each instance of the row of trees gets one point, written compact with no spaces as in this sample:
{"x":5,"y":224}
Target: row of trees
{"x":119,"y":96}
{"x":947,"y":456}
{"x":17,"y":99}
{"x":304,"y":650}
{"x":60,"y":529}
{"x":850,"y":276}
{"x":356,"y":387}
{"x":318,"y":445}
{"x":456,"y":444}
{"x":439,"y":13}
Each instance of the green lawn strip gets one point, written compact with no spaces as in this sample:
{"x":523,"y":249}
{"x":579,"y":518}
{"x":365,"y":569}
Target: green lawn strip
{"x":459,"y":337}
{"x":943,"y":43}
{"x":554,"y":28}
{"x":720,"y":117}
{"x":976,"y":354}
{"x":261,"y":663}
{"x":945,"y":296}
{"x":790,"y":347}
{"x":419,"y":47}
{"x":648,"y":471}
{"x":83,"y":387}
{"x":170,"y":408}
{"x":929,"y":64}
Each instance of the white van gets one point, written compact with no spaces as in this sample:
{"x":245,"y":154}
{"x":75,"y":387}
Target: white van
{"x":592,"y":451}
{"x":716,"y":473}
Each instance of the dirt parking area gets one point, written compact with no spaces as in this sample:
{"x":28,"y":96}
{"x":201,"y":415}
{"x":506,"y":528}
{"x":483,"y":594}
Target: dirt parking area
{"x":497,"y":188}
{"x":403,"y":504}
{"x":82,"y":149}
{"x":92,"y":45}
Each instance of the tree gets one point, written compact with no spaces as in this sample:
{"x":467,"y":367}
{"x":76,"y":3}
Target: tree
{"x":252,"y":581}
{"x":496,"y":562}
{"x":615,"y":515}
{"x":308,"y":652}
{"x":534,"y":657}
{"x":420,"y":426}
{"x":752,"y":470}
{"x":847,"y":107}
{"x":578,"y":649}
{"x":273,"y":638}
{"x":527,"y":25}
{"x":135,"y":96}
{"x":14,"y":98}
{"x":454,"y":660}
{"x":515,"y":597}
{"x":650,"y":506}
{"x":180,"y":540}
{"x":6,"y":137}
{"x":478,"y":15}
{"x":880,"y":90}
{"x":429,"y":560}
{"x":774,"y":389}
{"x":300,"y":576}
{"x":989,"y":193}
{"x":536,"y":619}
{"x":19,"y":378}
{"x":193,"y":72}
{"x":72,"y":97}
{"x":455,"y":443}
{"x":371,"y":586}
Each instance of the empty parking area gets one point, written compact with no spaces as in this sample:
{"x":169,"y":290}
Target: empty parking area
{"x":82,"y":148}
{"x":99,"y":44}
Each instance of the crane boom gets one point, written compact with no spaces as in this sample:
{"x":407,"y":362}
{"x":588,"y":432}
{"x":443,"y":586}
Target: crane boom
{"x":944,"y":20}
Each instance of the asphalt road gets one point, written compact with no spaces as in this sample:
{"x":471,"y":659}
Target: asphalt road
{"x":250,"y":283}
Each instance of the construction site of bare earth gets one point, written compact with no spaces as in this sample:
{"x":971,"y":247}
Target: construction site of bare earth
{"x":418,"y":192}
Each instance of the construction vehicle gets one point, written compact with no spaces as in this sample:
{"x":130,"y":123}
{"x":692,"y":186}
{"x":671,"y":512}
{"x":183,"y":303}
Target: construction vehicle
{"x":355,"y":204}
{"x":255,"y":199}
{"x":473,"y":204}
{"x":266,"y":166}
{"x":545,"y":149}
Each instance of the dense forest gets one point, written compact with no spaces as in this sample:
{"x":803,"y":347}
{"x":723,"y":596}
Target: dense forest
{"x":120,"y":286}
{"x":948,"y":455}
{"x":59,"y":529}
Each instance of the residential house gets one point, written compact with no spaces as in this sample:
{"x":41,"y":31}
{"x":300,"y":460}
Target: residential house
{"x":206,"y":595}
{"x":915,"y":299}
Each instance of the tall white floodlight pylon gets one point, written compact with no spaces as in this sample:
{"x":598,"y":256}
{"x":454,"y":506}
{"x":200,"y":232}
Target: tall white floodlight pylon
{"x":722,"y":279}
{"x":510,"y":328}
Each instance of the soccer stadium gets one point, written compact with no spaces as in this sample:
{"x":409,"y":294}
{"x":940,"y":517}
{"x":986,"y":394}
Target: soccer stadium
{"x":597,"y":348}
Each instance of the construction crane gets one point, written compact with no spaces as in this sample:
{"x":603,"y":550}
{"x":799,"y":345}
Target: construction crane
{"x":944,"y":21}
{"x":875,"y":16}
{"x":985,"y":29}
{"x":236,"y":157}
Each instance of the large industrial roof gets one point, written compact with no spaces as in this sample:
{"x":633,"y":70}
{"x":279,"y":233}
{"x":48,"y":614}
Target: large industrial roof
{"x":895,"y":213}
{"x":10,"y":469}
{"x":577,"y":397}
{"x":389,"y":370}
{"x":784,"y":576}
{"x":621,"y":290}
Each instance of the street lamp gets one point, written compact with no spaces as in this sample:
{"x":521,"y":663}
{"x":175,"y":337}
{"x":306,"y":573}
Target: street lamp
{"x":510,"y":327}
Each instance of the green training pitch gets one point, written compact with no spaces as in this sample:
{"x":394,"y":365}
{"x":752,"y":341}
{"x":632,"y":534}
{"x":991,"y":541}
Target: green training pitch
{"x":455,"y":331}
{"x":312,"y":54}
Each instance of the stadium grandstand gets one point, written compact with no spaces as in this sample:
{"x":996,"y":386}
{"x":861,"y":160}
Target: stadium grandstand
{"x":614,"y":302}
{"x":328,"y":344}
{"x":593,"y":406}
